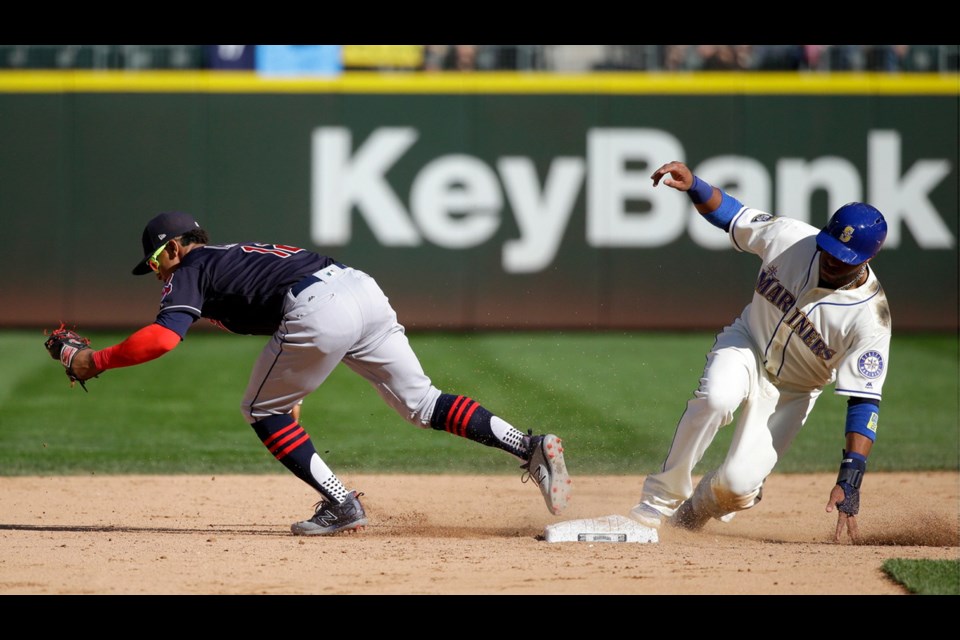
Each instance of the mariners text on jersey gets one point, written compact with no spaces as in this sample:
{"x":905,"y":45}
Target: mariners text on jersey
{"x":776,"y":294}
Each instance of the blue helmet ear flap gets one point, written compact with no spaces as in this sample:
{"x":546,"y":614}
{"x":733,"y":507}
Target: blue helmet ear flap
{"x":854,"y":233}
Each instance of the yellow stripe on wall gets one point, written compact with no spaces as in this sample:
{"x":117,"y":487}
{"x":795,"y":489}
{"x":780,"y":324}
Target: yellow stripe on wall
{"x":418,"y":82}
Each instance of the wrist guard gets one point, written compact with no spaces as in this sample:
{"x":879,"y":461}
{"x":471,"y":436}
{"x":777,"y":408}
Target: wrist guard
{"x":852,"y":468}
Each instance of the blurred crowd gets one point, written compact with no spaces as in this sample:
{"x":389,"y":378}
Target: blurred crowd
{"x":476,"y":57}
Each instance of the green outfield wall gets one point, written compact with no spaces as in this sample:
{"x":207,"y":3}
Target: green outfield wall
{"x":477,"y":200}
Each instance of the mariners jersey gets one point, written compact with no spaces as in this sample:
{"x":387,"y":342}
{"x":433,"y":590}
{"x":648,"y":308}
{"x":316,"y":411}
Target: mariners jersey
{"x":240,"y":287}
{"x":810,"y":336}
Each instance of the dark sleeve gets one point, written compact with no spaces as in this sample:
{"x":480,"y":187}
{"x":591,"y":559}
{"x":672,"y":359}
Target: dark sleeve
{"x":177,"y":321}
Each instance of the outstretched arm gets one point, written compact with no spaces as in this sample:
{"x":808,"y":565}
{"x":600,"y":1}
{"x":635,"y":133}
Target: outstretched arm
{"x":142,"y":346}
{"x":677,"y":175}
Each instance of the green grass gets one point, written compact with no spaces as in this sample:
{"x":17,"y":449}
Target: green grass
{"x":926,"y":577}
{"x":614,"y":397}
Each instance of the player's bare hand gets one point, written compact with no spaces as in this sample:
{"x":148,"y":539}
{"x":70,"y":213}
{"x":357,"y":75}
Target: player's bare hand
{"x":844,"y":520}
{"x":674,"y":174}
{"x":82,"y":365}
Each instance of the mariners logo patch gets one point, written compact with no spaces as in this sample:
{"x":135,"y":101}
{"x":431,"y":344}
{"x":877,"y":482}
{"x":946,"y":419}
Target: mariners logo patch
{"x":870,"y":364}
{"x":763,"y":217}
{"x":847,"y":234}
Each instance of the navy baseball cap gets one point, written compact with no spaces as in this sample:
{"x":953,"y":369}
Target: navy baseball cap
{"x":159,"y":230}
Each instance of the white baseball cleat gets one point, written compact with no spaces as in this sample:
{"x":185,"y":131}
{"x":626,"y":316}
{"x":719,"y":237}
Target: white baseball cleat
{"x":547,"y":468}
{"x":647,"y":516}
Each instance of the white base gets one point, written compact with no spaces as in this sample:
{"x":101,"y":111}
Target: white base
{"x":603,"y":529}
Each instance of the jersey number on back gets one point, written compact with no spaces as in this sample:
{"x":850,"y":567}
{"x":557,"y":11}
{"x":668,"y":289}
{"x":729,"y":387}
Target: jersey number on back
{"x":279,"y":250}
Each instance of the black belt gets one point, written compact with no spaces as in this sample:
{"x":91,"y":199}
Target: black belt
{"x":306,"y":281}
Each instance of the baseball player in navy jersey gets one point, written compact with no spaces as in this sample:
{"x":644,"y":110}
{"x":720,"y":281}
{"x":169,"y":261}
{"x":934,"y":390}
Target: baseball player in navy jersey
{"x":818,"y":316}
{"x":318,"y":313}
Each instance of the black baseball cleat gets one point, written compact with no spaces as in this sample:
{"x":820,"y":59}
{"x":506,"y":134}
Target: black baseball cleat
{"x":547,"y":468}
{"x":329,"y":518}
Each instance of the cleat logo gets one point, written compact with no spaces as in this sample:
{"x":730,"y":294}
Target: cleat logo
{"x":539,"y":475}
{"x":327,"y":519}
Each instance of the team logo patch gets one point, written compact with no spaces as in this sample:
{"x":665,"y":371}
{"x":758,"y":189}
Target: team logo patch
{"x":872,"y":423}
{"x":847,"y":234}
{"x":763,"y":217}
{"x":870,"y":364}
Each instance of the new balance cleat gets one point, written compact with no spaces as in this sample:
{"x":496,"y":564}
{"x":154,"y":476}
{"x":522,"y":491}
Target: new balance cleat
{"x":330,"y":518}
{"x":548,"y":470}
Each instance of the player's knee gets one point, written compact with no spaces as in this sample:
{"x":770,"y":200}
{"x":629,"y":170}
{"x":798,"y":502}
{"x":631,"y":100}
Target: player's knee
{"x":718,"y":399}
{"x":736,"y":489}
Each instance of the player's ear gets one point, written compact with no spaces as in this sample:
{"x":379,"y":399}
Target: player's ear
{"x":173,"y":248}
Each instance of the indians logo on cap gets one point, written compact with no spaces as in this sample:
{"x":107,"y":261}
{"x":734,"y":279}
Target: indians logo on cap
{"x":847,"y":234}
{"x":870,"y":364}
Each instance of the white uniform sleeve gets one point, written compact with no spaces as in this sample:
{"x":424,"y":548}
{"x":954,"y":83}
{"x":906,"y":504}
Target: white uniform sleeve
{"x":764,"y":234}
{"x":863,"y":370}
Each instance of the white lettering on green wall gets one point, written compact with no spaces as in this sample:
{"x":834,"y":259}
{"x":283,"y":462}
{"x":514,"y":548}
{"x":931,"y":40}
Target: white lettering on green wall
{"x":459,"y":201}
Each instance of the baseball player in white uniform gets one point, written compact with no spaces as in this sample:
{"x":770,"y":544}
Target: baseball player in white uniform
{"x":818,"y":316}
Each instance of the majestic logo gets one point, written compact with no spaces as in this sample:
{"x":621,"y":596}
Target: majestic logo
{"x":870,"y":364}
{"x":847,"y":234}
{"x":763,"y":217}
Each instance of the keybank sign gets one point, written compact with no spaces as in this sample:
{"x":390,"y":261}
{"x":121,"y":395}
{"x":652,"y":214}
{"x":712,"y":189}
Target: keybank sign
{"x":458,"y":201}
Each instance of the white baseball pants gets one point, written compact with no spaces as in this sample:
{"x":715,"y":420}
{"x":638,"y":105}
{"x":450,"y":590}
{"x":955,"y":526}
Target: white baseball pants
{"x":770,"y":418}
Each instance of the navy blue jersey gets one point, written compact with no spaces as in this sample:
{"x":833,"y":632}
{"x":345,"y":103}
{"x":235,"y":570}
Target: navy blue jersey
{"x":240,"y":287}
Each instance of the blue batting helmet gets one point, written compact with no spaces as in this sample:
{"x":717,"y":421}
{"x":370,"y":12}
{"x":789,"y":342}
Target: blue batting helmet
{"x":854,"y":234}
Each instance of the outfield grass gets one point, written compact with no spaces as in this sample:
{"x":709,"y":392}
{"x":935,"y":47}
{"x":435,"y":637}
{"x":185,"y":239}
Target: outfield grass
{"x":614,"y":397}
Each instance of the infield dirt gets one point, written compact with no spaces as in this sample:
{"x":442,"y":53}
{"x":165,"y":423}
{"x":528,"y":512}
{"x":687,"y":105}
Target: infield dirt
{"x":229,"y":535}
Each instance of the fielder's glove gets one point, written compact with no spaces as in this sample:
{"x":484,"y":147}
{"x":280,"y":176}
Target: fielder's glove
{"x":64,"y":344}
